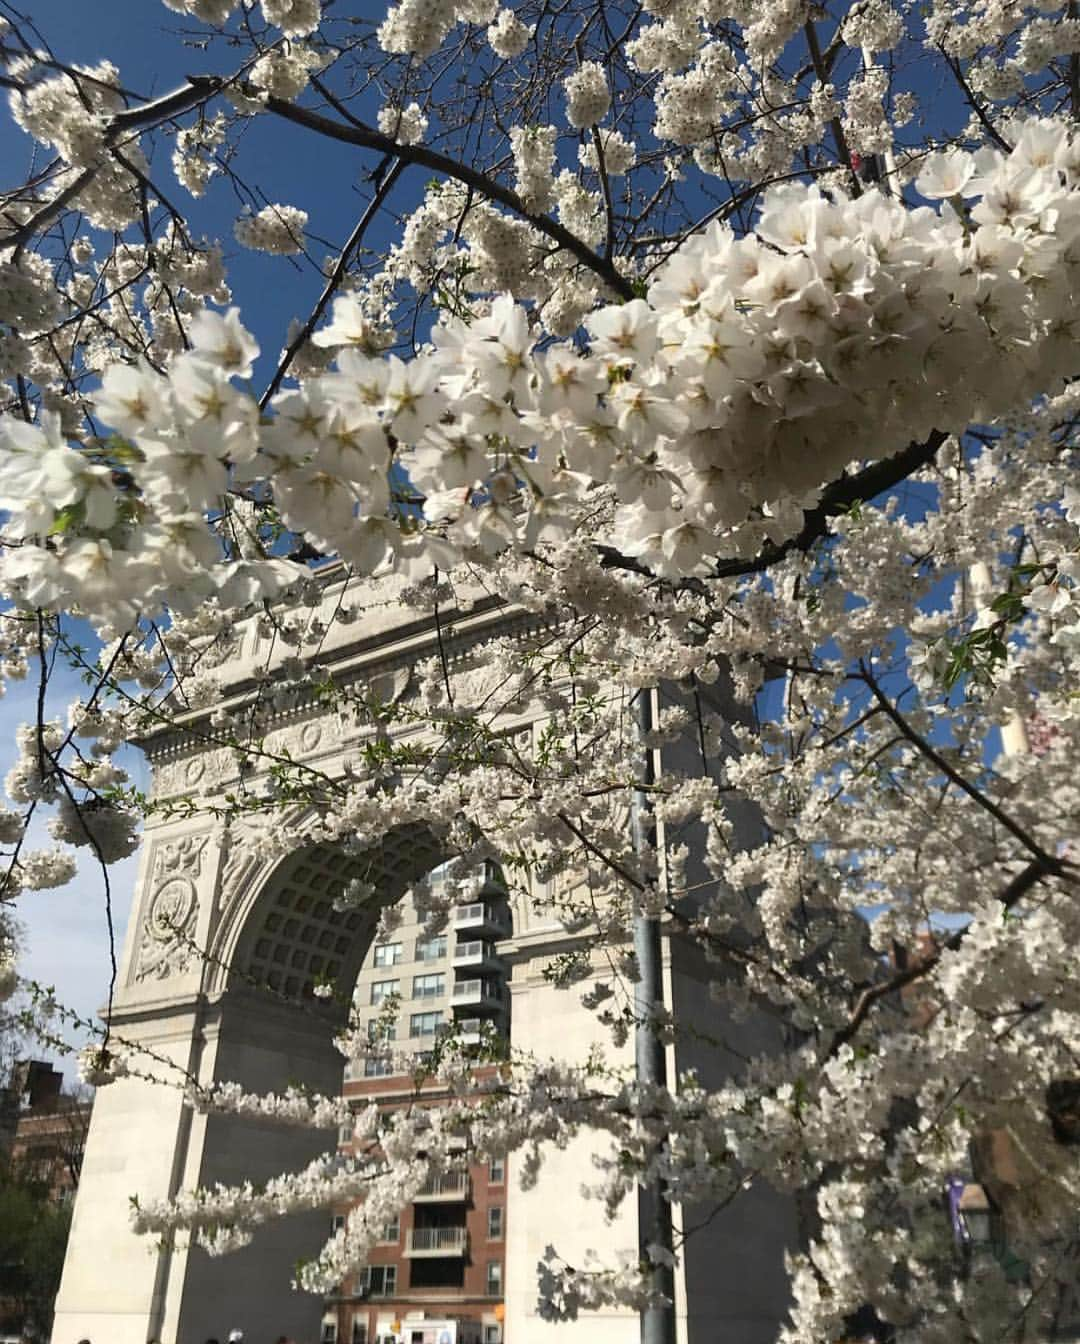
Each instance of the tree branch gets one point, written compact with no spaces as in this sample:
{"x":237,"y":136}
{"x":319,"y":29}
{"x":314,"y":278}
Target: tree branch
{"x":1020,"y":885}
{"x":385,"y":187}
{"x":366,"y":137}
{"x":835,"y":499}
{"x":1047,"y":863}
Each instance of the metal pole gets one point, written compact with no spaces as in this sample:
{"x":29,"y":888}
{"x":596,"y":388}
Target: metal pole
{"x":654,"y":1210}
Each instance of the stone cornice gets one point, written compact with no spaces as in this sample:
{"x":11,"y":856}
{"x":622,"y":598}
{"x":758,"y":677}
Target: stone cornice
{"x":462,"y":633}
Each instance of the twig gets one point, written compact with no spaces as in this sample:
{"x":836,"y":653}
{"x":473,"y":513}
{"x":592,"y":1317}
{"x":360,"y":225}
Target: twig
{"x":334,"y":281}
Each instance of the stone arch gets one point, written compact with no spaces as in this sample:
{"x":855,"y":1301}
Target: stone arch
{"x":254,"y":907}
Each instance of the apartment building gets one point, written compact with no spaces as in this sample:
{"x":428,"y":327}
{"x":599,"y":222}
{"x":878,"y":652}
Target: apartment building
{"x":439,"y":1271}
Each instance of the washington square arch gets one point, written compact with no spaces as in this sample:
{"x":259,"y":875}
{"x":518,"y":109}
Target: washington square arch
{"x":262,"y":919}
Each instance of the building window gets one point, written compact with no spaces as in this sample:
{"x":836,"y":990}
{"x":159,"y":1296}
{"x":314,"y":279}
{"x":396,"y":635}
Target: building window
{"x":429,"y":986}
{"x":345,"y":1133}
{"x":495,"y":1222}
{"x":379,"y":1281}
{"x":425,"y":1024}
{"x":392,"y":1231}
{"x":382,"y":989}
{"x":379,"y":1029}
{"x":388,"y":954}
{"x":329,"y":1332}
{"x":497,"y":1171}
{"x":494,"y":1278}
{"x":492,"y":1334}
{"x":431,"y":949}
{"x":339,"y":1221}
{"x":376,"y":1068}
{"x":359,"y":1331}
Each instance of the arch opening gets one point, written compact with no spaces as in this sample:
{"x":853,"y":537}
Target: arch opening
{"x":300,"y":932}
{"x":271,"y":1030}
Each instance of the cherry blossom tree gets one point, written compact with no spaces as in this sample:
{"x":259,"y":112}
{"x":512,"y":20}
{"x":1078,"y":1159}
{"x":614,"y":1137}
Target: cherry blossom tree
{"x":737,"y":339}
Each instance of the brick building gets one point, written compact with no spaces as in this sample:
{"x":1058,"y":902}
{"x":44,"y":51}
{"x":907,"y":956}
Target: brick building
{"x":438,"y":1275}
{"x":46,"y":1141}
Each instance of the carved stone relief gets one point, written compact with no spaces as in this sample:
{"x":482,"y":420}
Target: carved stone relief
{"x":310,"y":735}
{"x":193,"y":774}
{"x":166,"y":947}
{"x":242,"y":860}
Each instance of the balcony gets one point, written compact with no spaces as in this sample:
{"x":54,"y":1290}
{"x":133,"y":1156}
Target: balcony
{"x":428,"y":1242}
{"x":488,"y":881}
{"x":470,"y":1031}
{"x":479,"y":919}
{"x":450,"y":1188}
{"x":476,"y":955}
{"x":477,"y":996}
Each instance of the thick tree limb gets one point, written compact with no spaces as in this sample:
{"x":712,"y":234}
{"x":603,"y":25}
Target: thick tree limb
{"x":172,"y":104}
{"x":48,"y":212}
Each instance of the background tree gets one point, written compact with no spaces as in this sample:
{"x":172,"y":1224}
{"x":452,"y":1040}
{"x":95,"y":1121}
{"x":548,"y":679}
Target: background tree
{"x":33,"y":1238}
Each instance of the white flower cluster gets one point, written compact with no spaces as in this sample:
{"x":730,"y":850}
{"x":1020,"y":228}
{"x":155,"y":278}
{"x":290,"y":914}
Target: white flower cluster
{"x":873,"y":25}
{"x":715,"y":410}
{"x":32,"y":777}
{"x":292,"y":1107}
{"x":295,"y":18}
{"x":37,"y":870}
{"x":193,"y":161}
{"x":866,"y":123}
{"x":207,"y":11}
{"x":72,"y":117}
{"x":53,"y":111}
{"x":285,"y":71}
{"x":278,"y":229}
{"x":11,"y":826}
{"x":534,"y":153}
{"x":508,"y":36}
{"x":419,"y":27}
{"x":587,"y":95}
{"x":406,"y":124}
{"x":111,"y":832}
{"x":28,"y":296}
{"x":619,"y":154}
{"x":98,"y":1065}
{"x":581,"y":210}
